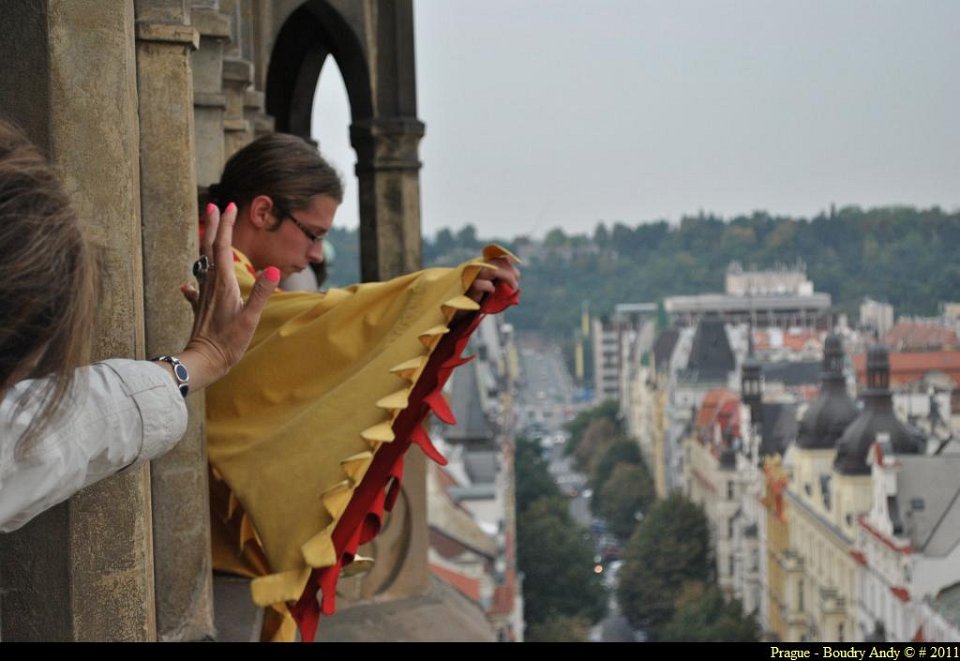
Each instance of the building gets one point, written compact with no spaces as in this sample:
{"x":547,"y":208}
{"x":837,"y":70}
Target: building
{"x":777,"y":615}
{"x":926,"y":388}
{"x":909,"y":547}
{"x":702,"y":360}
{"x":710,"y":475}
{"x":876,"y":317}
{"x":606,"y":359}
{"x":471,"y":509}
{"x":614,"y":341}
{"x":646,"y":416}
{"x":830,"y":489}
{"x":810,"y":462}
{"x":909,"y":335}
{"x":726,"y":459}
{"x":781,"y":298}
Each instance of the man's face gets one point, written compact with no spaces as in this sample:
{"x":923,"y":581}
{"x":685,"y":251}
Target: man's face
{"x":298,"y":240}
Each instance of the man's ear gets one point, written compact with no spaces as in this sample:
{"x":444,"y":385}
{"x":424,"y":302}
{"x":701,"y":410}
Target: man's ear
{"x":261,"y":212}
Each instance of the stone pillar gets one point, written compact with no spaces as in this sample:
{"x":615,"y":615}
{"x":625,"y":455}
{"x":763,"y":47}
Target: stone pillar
{"x":209,"y":101}
{"x":84,"y":570}
{"x":181,"y":523}
{"x":388,"y":175}
{"x":237,"y":76}
{"x":237,"y":80}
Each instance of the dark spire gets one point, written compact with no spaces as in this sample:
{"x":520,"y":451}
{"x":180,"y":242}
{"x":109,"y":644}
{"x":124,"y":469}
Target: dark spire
{"x":833,"y":409}
{"x":711,"y":357}
{"x":877,"y":421}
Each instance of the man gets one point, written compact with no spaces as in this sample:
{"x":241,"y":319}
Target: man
{"x":306,"y":436}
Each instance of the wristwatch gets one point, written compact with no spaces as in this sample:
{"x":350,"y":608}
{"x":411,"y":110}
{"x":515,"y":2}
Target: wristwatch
{"x":180,"y":373}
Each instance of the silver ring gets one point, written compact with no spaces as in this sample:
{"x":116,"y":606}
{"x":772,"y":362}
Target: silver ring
{"x":200,"y":268}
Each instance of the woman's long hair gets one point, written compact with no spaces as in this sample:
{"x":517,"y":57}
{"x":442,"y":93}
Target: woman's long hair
{"x":47,"y":279}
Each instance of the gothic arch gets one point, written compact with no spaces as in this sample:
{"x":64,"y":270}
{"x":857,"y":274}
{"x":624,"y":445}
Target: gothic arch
{"x":308,"y":35}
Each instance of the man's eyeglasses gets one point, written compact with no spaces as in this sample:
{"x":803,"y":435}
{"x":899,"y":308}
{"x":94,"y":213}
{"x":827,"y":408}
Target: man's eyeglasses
{"x":283,"y":214}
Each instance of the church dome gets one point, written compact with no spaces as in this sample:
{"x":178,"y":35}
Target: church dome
{"x":833,"y":409}
{"x":877,"y":421}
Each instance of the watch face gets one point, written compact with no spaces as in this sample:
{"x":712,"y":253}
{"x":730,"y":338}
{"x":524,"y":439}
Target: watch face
{"x":181,"y":372}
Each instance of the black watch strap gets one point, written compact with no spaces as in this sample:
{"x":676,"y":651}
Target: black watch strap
{"x":180,"y":373}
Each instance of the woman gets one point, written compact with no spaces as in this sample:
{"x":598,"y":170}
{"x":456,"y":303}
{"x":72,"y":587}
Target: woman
{"x":306,"y":436}
{"x":54,"y":413}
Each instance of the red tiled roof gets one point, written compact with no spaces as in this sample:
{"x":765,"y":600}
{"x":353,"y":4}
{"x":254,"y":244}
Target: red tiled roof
{"x":503,"y":600}
{"x":791,"y":340}
{"x":470,"y":587}
{"x":909,"y":367}
{"x":712,"y":404}
{"x":919,"y":336}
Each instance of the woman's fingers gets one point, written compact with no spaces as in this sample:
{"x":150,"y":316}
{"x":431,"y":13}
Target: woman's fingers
{"x":211,"y":225}
{"x":222,"y":254}
{"x":192,"y":295}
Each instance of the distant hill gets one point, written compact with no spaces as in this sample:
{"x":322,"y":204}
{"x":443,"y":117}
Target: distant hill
{"x":903,"y":255}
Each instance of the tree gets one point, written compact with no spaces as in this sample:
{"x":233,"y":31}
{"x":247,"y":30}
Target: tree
{"x":623,"y":451}
{"x":669,"y":548}
{"x":627,"y":493}
{"x":557,"y":565}
{"x":444,"y":242}
{"x":533,"y":477}
{"x":601,"y":236}
{"x":555,"y":238}
{"x":703,"y":615}
{"x":597,"y":438}
{"x":467,"y":237}
{"x":608,"y":409}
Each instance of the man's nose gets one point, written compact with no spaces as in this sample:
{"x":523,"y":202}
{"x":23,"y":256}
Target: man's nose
{"x":315,"y":254}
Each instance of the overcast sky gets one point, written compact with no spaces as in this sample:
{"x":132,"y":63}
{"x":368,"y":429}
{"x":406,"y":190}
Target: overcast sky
{"x":563,"y":113}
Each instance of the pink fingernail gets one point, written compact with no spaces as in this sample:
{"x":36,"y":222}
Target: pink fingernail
{"x":210,"y":208}
{"x":272,"y":273}
{"x":231,"y":207}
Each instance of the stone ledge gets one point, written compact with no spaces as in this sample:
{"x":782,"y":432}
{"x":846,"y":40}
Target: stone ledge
{"x":211,"y":23}
{"x":209,"y":100}
{"x":235,"y":125}
{"x":237,"y":69}
{"x":168,"y":33}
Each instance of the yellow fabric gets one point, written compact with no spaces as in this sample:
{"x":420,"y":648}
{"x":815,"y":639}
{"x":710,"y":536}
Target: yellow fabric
{"x":293,"y":428}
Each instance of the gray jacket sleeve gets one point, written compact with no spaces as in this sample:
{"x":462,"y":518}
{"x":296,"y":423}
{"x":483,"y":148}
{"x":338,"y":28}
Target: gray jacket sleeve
{"x":118,"y":413}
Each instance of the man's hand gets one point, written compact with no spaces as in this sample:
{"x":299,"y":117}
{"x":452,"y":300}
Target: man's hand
{"x":501,"y":269}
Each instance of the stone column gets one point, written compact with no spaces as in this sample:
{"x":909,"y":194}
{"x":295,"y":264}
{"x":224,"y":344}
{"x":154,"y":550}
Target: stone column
{"x":388,"y":174}
{"x":84,"y":570}
{"x":237,"y":76}
{"x":181,"y":522}
{"x":209,"y":100}
{"x":237,"y":81}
